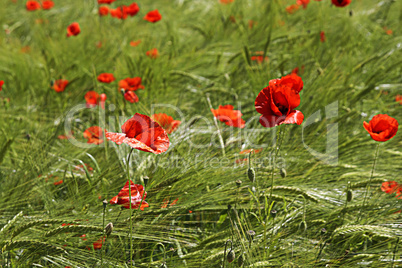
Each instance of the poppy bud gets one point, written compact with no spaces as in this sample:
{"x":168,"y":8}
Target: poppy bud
{"x":351,"y":13}
{"x":240,"y":261}
{"x":238,"y":183}
{"x":122,"y":91}
{"x":303,"y":225}
{"x":251,"y":233}
{"x":103,"y":97}
{"x":283,"y":172}
{"x":104,"y":203}
{"x":109,"y":229}
{"x":231,"y":256}
{"x":349,"y":195}
{"x":273,"y":213}
{"x":323,"y":231}
{"x":146,"y":179}
{"x":251,"y":174}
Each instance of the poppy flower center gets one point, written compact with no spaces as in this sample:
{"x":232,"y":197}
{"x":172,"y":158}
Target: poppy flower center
{"x":283,"y":109}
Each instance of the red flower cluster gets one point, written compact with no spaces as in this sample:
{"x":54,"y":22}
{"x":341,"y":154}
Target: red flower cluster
{"x":94,"y":135}
{"x":121,"y":12}
{"x":131,"y":84}
{"x":259,"y":57}
{"x":34,"y":5}
{"x":153,"y":53}
{"x":166,"y":122}
{"x":391,"y":187}
{"x":137,"y":194}
{"x":73,"y":29}
{"x":278,"y":100}
{"x":60,"y":85}
{"x":229,"y":116}
{"x":142,"y":133}
{"x":153,"y":16}
{"x":381,"y":127}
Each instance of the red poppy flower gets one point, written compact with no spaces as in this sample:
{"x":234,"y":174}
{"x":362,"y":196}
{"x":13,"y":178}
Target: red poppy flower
{"x":165,"y":203}
{"x":94,"y":135}
{"x":92,"y":99}
{"x":341,"y":3}
{"x":247,"y":151}
{"x":391,"y":187}
{"x":166,"y":122}
{"x":398,"y":98}
{"x":388,"y":31}
{"x":66,"y":137}
{"x":381,"y":127}
{"x":153,"y":16}
{"x":292,"y":8}
{"x":73,"y":29}
{"x":174,"y":202}
{"x":132,"y":9}
{"x":106,"y":1}
{"x":303,"y":3}
{"x":98,"y":243}
{"x":278,"y":100}
{"x":119,"y":13}
{"x":130,"y":96}
{"x":103,"y":10}
{"x":322,"y":36}
{"x":225,"y":2}
{"x":153,"y":53}
{"x":106,"y":78}
{"x":60,"y":85}
{"x":229,"y":116}
{"x":259,"y":57}
{"x":135,"y":43}
{"x":1,"y":85}
{"x":103,"y":98}
{"x":58,"y":182}
{"x":32,"y":5}
{"x":142,"y":133}
{"x":137,"y":193}
{"x":47,"y":4}
{"x":131,"y":84}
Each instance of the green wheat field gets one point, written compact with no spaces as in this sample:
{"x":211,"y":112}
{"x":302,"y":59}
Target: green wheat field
{"x":308,"y":195}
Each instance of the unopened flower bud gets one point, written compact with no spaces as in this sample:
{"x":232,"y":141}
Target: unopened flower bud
{"x":349,"y":195}
{"x":283,"y":172}
{"x":323,"y":231}
{"x":238,"y":183}
{"x":251,"y":174}
{"x":240,"y":261}
{"x":109,"y":229}
{"x":273,"y":213}
{"x":146,"y":179}
{"x":303,"y":225}
{"x":231,"y":256}
{"x":104,"y":203}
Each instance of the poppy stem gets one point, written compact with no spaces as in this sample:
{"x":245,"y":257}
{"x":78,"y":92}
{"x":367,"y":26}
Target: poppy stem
{"x":131,"y":221}
{"x":371,"y":177}
{"x":277,"y":147}
{"x":217,"y":126}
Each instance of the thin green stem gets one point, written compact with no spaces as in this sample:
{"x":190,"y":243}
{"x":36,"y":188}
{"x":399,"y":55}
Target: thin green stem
{"x":217,"y":127}
{"x":371,"y":177}
{"x":131,"y":222}
{"x":277,"y":147}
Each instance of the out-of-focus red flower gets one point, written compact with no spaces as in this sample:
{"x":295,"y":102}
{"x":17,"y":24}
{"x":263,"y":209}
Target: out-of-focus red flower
{"x":303,"y":3}
{"x":296,"y":70}
{"x":99,"y":44}
{"x":153,"y":53}
{"x":25,"y":49}
{"x":259,"y":57}
{"x":73,"y":29}
{"x":388,"y":31}
{"x":278,"y":100}
{"x":153,"y":16}
{"x":381,"y":127}
{"x":166,"y":122}
{"x":32,"y":5}
{"x":94,"y":135}
{"x":251,"y":24}
{"x":105,"y":1}
{"x":132,"y":9}
{"x":81,"y":168}
{"x":292,"y":8}
{"x":341,"y":3}
{"x":247,"y":151}
{"x":1,"y":85}
{"x":103,"y":10}
{"x":119,"y":13}
{"x":174,"y":202}
{"x":135,"y":43}
{"x":98,"y":243}
{"x":322,"y":36}
{"x":230,"y":117}
{"x":103,"y":98}
{"x":66,"y":137}
{"x":130,"y":96}
{"x":106,"y":78}
{"x":60,"y":85}
{"x":142,"y":133}
{"x":190,"y":211}
{"x":48,"y":4}
{"x":391,"y":187}
{"x":58,"y":182}
{"x":225,"y":2}
{"x":137,"y":193}
{"x":165,"y":203}
{"x":92,"y":99}
{"x":398,"y":98}
{"x":131,"y":84}
{"x":83,"y":237}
